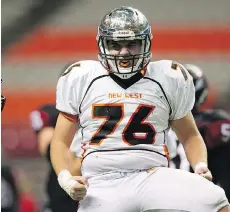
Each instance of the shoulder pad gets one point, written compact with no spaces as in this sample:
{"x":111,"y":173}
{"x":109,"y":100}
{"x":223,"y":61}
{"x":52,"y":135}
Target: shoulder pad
{"x":70,"y":68}
{"x":81,"y":67}
{"x":174,"y":69}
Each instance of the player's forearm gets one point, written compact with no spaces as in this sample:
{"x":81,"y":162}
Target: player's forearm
{"x":59,"y":155}
{"x":195,"y":150}
{"x":59,"y":159}
{"x":63,"y":135}
{"x":74,"y":164}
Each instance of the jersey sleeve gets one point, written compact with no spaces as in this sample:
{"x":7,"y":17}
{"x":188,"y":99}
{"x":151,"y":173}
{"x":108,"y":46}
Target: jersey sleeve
{"x":184,"y":97}
{"x":171,"y":143}
{"x":68,"y":91}
{"x":76,"y":145}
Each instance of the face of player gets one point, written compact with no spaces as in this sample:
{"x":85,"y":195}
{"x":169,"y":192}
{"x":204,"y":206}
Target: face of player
{"x":124,"y":49}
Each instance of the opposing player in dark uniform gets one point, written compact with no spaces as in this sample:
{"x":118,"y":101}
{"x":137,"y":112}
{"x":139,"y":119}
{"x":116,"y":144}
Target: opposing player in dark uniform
{"x":214,"y":126}
{"x":3,"y":101}
{"x":43,"y":121}
{"x":9,"y":191}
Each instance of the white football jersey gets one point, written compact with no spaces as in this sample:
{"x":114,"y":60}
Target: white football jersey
{"x":124,"y":126}
{"x":176,"y":149}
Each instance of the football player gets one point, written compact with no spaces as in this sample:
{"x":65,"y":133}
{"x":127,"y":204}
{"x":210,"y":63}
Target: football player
{"x":9,"y":190}
{"x":124,"y":106}
{"x":214,"y":126}
{"x":3,"y":101}
{"x":43,"y":121}
{"x":15,"y":196}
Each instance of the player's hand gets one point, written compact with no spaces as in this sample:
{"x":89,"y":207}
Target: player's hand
{"x":202,"y":169}
{"x":75,"y":186}
{"x":79,"y":190}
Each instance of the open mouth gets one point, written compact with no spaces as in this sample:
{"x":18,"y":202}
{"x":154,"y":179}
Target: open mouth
{"x":125,"y":63}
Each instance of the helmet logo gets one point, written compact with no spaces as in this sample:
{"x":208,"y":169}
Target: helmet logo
{"x":124,"y":33}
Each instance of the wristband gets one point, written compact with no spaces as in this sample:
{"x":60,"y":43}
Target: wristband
{"x":66,"y":181}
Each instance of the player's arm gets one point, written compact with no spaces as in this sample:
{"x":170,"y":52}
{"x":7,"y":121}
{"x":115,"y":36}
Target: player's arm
{"x":43,"y":122}
{"x":183,"y":123}
{"x":63,"y":135}
{"x":67,"y":101}
{"x":74,"y":164}
{"x":193,"y":143}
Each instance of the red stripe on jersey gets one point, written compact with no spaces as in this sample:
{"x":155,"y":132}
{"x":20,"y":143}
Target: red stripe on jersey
{"x":73,"y":118}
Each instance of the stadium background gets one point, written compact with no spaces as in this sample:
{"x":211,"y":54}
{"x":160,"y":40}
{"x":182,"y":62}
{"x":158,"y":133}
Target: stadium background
{"x":40,"y":38}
